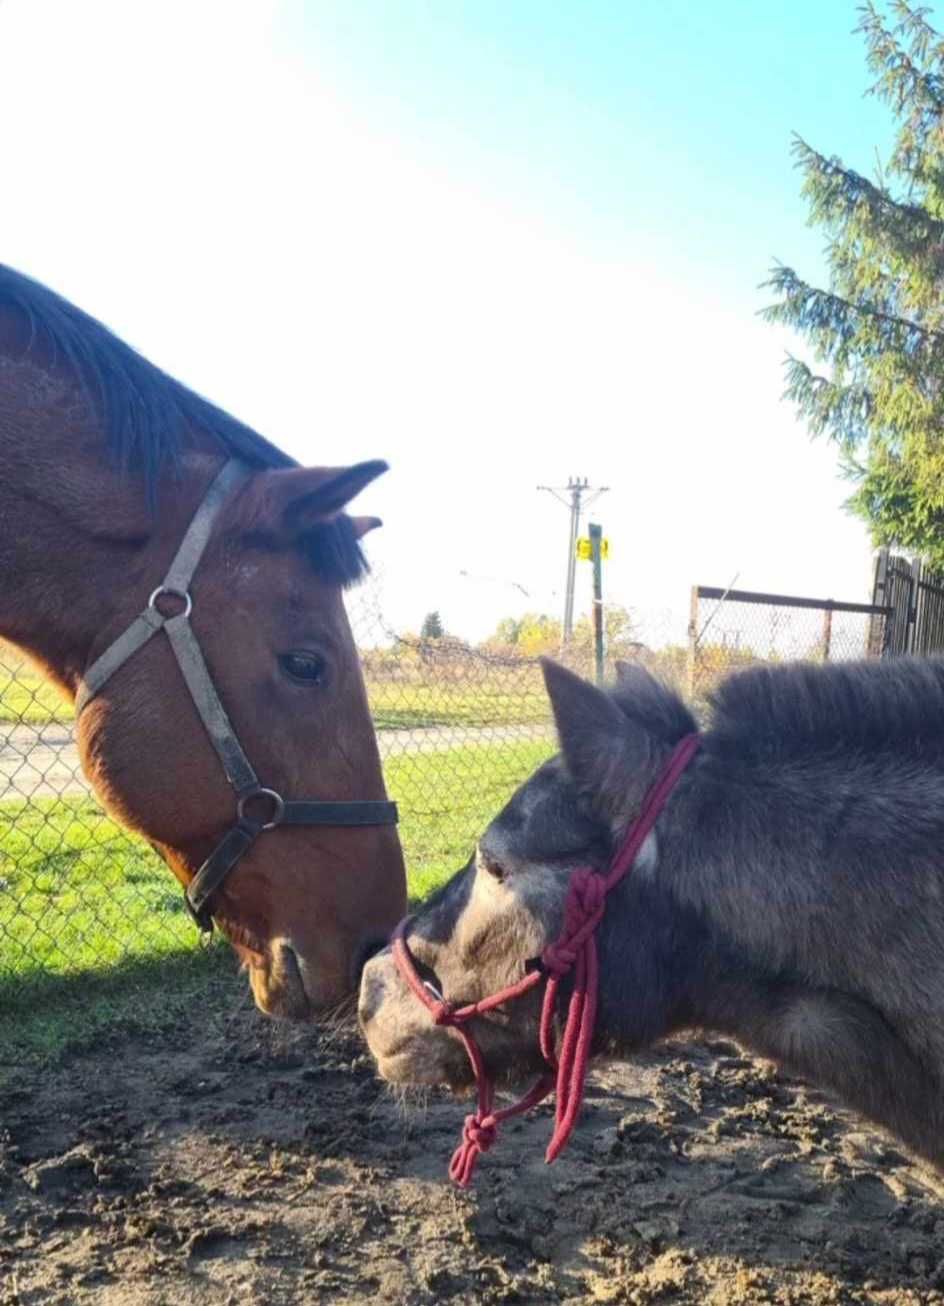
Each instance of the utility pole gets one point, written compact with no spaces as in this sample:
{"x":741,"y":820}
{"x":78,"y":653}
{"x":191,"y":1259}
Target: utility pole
{"x":576,"y":495}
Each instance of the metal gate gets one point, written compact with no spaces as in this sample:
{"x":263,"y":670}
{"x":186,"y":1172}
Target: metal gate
{"x":915,"y":596}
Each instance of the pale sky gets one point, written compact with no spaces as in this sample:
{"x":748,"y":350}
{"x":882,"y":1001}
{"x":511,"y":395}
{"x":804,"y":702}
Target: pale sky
{"x":379,"y":237}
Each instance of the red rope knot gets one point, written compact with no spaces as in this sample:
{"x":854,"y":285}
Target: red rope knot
{"x":585,"y":898}
{"x":478,"y":1135}
{"x":557,"y":958}
{"x":442,"y":1012}
{"x":583,"y":911}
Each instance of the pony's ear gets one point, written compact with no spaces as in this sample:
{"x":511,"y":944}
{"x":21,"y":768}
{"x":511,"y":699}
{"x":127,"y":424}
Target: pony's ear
{"x":300,"y":498}
{"x":609,"y":756}
{"x":632,"y":677}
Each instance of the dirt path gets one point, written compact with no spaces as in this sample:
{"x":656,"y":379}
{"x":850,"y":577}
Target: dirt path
{"x":43,"y":762}
{"x":247,"y":1165}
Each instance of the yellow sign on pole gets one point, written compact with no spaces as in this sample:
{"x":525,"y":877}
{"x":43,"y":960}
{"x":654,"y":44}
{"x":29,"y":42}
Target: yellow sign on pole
{"x":585,"y":549}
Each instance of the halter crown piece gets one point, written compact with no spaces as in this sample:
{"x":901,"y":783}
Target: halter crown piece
{"x":576,"y":950}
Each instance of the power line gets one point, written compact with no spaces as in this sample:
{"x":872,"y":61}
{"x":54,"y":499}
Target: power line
{"x":496,"y":580}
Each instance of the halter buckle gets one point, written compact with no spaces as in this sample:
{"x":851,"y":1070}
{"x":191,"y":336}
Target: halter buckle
{"x":164,"y":591}
{"x":278,"y":808}
{"x":200,"y":917}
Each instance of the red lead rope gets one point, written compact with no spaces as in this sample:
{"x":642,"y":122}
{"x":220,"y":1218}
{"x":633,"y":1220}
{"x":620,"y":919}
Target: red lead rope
{"x":576,"y":950}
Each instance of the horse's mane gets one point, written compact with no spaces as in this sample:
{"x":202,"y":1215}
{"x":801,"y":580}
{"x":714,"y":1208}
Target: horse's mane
{"x":801,"y":711}
{"x":146,"y":414}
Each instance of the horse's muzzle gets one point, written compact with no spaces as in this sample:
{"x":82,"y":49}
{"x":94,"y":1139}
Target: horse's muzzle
{"x":279,"y":988}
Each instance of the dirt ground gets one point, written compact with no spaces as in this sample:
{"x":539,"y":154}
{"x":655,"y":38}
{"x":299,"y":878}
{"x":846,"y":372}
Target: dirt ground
{"x":236,"y":1162}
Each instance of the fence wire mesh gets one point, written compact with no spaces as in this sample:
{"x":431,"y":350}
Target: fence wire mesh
{"x":730,"y":630}
{"x":459,"y":728}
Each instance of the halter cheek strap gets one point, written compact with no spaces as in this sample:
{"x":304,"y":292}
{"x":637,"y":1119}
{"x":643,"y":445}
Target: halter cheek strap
{"x":258,"y":809}
{"x":575,"y":950}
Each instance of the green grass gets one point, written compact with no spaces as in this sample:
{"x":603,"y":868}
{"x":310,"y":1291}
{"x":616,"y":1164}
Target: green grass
{"x":79,"y":894}
{"x":93,"y":930}
{"x":397,"y":706}
{"x":26,"y":696}
{"x":447,"y":798}
{"x":43,"y":1017}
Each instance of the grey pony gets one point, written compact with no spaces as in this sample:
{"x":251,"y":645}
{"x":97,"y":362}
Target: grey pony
{"x":791,"y":895}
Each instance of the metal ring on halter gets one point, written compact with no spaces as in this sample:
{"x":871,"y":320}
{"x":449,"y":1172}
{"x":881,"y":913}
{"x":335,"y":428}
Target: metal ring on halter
{"x":278,"y":807}
{"x":184,"y":595}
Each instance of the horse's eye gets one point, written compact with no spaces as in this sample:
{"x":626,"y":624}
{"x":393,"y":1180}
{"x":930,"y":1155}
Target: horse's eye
{"x":306,"y":668}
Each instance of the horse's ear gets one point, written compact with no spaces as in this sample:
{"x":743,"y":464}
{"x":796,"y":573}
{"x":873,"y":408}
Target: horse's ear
{"x":300,"y":498}
{"x":607,"y":754}
{"x":364,"y":524}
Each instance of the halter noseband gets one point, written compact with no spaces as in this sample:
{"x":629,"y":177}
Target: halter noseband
{"x":250,"y":794}
{"x":575,"y":949}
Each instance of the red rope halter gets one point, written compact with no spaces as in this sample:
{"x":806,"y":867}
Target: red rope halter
{"x":576,"y":950}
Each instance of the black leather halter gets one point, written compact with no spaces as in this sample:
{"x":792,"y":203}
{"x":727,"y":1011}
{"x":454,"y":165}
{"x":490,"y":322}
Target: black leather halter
{"x":257,"y":808}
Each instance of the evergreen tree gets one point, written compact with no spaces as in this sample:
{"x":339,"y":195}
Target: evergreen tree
{"x":432,"y":627}
{"x":877,"y":332}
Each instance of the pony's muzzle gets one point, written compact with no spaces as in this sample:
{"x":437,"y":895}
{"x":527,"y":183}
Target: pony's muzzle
{"x":372,"y":988}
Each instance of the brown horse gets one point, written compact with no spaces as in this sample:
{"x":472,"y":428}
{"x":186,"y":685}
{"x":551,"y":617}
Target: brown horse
{"x":104,"y":464}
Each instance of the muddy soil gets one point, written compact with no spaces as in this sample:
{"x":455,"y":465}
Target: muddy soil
{"x":236,"y":1162}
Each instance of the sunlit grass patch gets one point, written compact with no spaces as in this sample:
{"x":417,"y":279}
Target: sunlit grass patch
{"x":89,"y":916}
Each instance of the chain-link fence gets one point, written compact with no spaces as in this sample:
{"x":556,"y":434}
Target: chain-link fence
{"x":459,"y":728}
{"x":731,"y":629}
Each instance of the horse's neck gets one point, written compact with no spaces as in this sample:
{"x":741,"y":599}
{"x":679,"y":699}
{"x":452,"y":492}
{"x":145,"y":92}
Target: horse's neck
{"x":58,"y":585}
{"x":76,"y":537}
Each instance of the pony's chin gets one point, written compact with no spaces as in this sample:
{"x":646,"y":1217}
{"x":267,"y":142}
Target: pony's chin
{"x":405,"y":1072}
{"x":408,"y":1068}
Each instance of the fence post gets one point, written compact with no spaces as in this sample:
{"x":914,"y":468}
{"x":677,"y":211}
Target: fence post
{"x":692,"y":640}
{"x":919,"y":633}
{"x":913,"y":595}
{"x":596,"y":547}
{"x":880,"y":628}
{"x":827,"y":632}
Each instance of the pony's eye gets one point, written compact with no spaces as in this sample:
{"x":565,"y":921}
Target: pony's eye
{"x":306,"y":668}
{"x":491,"y":865}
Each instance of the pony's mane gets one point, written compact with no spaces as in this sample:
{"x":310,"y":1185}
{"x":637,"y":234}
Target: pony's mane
{"x":799,"y":711}
{"x":653,"y":705}
{"x":147,"y":415}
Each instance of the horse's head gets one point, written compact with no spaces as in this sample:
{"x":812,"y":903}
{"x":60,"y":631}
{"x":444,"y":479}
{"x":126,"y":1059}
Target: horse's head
{"x":305,"y":903}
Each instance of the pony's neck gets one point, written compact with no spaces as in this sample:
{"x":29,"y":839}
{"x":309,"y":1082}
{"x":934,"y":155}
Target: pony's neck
{"x":654,"y":957}
{"x":78,"y":542}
